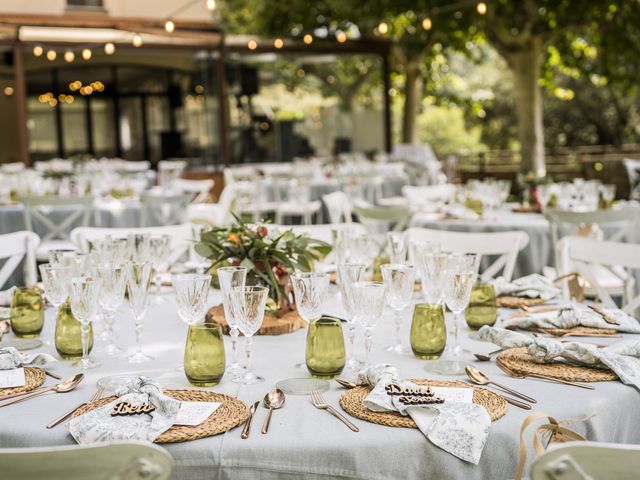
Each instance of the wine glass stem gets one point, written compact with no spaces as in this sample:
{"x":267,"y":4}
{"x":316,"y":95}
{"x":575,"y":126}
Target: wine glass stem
{"x":138,"y":331}
{"x":84,"y":333}
{"x":234,"y":345}
{"x":247,"y":350}
{"x":352,"y":337}
{"x":368,"y":343}
{"x":398,"y":320}
{"x":456,"y":334}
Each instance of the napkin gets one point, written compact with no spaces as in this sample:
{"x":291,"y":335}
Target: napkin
{"x":100,"y":426}
{"x":10,"y":358}
{"x":532,"y":286}
{"x":622,"y":358}
{"x":574,"y":315}
{"x":461,"y":429}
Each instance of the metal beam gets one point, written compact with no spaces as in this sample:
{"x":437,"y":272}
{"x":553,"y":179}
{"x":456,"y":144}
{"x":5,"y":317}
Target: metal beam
{"x":20,"y":91}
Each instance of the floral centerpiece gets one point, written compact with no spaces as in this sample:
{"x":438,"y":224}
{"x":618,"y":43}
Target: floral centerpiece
{"x":270,"y":256}
{"x":529,"y":184}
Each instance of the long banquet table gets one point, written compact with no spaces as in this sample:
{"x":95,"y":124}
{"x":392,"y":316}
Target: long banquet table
{"x":304,"y":442}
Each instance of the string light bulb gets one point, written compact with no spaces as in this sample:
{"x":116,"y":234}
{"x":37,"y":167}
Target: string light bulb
{"x":109,"y":48}
{"x":252,"y":45}
{"x":278,"y":43}
{"x":38,"y":51}
{"x":307,"y":39}
{"x":211,"y":5}
{"x":481,"y":8}
{"x":341,"y":36}
{"x":136,"y":41}
{"x":51,"y":55}
{"x":383,"y":28}
{"x":69,"y":56}
{"x":169,"y":26}
{"x":426,"y":23}
{"x":86,"y":53}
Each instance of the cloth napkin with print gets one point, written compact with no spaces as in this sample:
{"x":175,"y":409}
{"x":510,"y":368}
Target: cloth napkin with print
{"x":531,"y":286}
{"x":622,"y":358}
{"x":577,"y":315}
{"x":11,"y":358}
{"x":100,"y":426}
{"x":459,"y":428}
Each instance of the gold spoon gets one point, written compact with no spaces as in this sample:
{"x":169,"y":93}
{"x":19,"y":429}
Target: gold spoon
{"x":479,"y":378}
{"x":5,"y":326}
{"x":345,"y":383}
{"x":66,"y":386}
{"x":487,"y":357}
{"x":272,"y":400}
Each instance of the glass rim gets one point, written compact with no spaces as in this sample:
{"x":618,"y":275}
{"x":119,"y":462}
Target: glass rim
{"x":205,"y":326}
{"x":232,"y":268}
{"x":310,"y":275}
{"x":250,"y":288}
{"x":190,"y":276}
{"x":397,"y":266}
{"x":352,"y":264}
{"x":368,"y":283}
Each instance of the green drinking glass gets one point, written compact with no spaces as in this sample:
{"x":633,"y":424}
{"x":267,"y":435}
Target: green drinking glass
{"x":68,"y":337}
{"x":325,"y":356}
{"x":482,"y":308}
{"x":204,"y":359}
{"x":27,"y":312}
{"x":428,"y":332}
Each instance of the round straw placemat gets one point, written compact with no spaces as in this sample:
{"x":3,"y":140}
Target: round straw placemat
{"x":230,"y":414}
{"x":507,"y":301}
{"x":351,"y":402}
{"x":34,"y":377}
{"x":519,"y":361}
{"x":579,"y":331}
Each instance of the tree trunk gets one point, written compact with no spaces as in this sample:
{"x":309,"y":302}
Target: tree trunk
{"x":413,"y":98}
{"x":525,"y":65}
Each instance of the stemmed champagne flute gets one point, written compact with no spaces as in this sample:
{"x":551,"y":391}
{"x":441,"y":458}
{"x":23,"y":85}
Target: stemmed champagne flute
{"x":138,"y":278}
{"x":112,"y":283}
{"x":369,"y":303}
{"x":310,"y":291}
{"x":84,"y":305}
{"x":248,"y":304}
{"x":229,"y":278}
{"x":348,"y":275}
{"x":398,"y":281}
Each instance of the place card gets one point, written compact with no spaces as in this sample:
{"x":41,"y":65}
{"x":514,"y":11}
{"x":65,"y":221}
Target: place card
{"x":12,"y":378}
{"x":194,"y":413}
{"x":453,"y":394}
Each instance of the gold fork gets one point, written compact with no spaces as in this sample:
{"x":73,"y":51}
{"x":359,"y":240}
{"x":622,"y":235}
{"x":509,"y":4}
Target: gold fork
{"x":319,"y":402}
{"x":96,"y":396}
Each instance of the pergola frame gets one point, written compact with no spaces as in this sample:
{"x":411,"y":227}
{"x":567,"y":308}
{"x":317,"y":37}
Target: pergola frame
{"x":188,"y":35}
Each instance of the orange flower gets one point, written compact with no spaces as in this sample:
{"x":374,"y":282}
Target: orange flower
{"x":233,"y":238}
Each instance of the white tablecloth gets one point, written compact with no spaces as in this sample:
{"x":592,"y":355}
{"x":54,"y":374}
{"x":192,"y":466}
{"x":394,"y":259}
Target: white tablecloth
{"x":304,"y":442}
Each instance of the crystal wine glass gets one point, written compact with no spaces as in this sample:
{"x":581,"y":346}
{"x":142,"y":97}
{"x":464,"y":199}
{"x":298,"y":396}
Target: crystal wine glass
{"x":348,"y":275}
{"x":248,"y":304}
{"x":398,"y":281}
{"x":112,"y":283}
{"x":191,"y":291}
{"x":84,"y":306}
{"x":159,"y":249}
{"x":56,"y":280}
{"x":397,"y":247}
{"x":138,"y":278}
{"x":310,"y":291}
{"x":369,"y":303}
{"x":229,"y":278}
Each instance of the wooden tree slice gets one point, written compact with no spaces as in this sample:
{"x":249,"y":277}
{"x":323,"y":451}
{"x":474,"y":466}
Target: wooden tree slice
{"x":271,"y":325}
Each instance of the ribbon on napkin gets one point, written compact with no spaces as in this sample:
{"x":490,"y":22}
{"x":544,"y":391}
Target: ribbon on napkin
{"x":532,"y":286}
{"x":622,"y":358}
{"x":99,"y":425}
{"x":460,"y":429}
{"x":11,"y":358}
{"x":577,"y":315}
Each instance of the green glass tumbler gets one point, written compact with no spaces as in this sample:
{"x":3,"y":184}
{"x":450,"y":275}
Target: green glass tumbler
{"x":204,"y":359}
{"x":482,"y":308}
{"x":325,"y":355}
{"x":428,"y":332}
{"x":27,"y":312}
{"x":68,"y":337}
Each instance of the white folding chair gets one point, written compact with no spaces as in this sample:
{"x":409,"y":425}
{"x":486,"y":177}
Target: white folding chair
{"x":632,"y":167}
{"x":15,"y":247}
{"x":338,"y":207}
{"x":588,"y":461}
{"x":181,"y":237}
{"x":129,"y":460}
{"x":199,"y":189}
{"x":214,"y":214}
{"x":505,"y":245}
{"x":381,"y":219}
{"x":162,"y":209}
{"x":39,"y":208}
{"x":597,"y":261}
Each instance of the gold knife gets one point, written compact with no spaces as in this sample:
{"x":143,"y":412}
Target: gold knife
{"x":247,"y":424}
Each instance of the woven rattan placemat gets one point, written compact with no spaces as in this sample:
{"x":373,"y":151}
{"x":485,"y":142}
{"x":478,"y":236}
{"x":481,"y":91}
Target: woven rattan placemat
{"x":519,"y":361}
{"x":505,"y":301}
{"x":579,"y":331}
{"x":230,"y":414}
{"x":34,"y":377}
{"x":351,"y":402}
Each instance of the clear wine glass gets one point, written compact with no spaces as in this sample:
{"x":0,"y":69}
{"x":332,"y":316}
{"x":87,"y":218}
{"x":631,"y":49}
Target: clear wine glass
{"x":432,"y":267}
{"x":397,"y":247}
{"x":84,"y":306}
{"x":229,"y":278}
{"x":348,"y":275}
{"x":191,"y":292}
{"x":310,"y":291}
{"x":369,"y":303}
{"x":138,"y":279}
{"x":159,"y":249}
{"x":112,"y":283}
{"x":398,"y":281}
{"x":248,"y":305}
{"x":56,"y":281}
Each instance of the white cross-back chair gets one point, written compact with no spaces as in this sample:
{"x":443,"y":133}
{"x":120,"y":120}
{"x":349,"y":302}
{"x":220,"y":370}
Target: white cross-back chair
{"x":163,"y":209}
{"x":505,"y":245}
{"x":39,"y":208}
{"x":632,"y":167}
{"x":214,"y":214}
{"x":181,"y":237}
{"x":596,"y":261}
{"x":338,"y":207}
{"x":198,"y":189}
{"x":588,"y":461}
{"x":14,"y":248}
{"x":115,"y":460}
